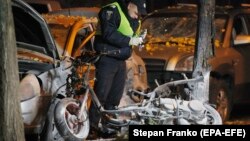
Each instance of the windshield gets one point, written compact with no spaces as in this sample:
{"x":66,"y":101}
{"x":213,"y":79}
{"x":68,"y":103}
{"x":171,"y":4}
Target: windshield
{"x":179,"y":28}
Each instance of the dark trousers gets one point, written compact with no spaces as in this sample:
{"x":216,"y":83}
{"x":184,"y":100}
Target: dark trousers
{"x":109,"y":85}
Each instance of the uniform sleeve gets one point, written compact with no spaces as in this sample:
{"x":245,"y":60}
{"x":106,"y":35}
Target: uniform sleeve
{"x":110,"y":19}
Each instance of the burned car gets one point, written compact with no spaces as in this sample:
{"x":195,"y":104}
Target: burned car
{"x":43,"y":72}
{"x":37,"y":54}
{"x":72,"y":34}
{"x":169,"y":51}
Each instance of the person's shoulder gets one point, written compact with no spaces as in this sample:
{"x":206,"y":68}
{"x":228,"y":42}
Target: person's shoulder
{"x":109,"y":8}
{"x":112,"y":6}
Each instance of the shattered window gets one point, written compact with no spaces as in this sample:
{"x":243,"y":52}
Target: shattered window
{"x":179,"y":28}
{"x":164,"y":27}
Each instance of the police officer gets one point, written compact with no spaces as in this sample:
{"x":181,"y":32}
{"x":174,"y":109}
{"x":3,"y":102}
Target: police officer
{"x":118,"y":24}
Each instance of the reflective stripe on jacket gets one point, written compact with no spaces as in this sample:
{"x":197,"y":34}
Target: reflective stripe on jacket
{"x":124,"y":26}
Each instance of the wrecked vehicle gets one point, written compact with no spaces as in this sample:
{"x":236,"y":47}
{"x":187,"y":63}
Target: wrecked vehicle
{"x":43,"y":70}
{"x":169,"y":51}
{"x":72,"y":34}
{"x":37,"y":54}
{"x":155,"y":109}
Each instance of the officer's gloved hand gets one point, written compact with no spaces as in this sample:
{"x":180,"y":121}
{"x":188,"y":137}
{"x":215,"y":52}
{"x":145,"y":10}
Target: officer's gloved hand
{"x":135,"y":41}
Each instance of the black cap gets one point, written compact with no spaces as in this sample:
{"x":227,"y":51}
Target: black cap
{"x":141,"y":5}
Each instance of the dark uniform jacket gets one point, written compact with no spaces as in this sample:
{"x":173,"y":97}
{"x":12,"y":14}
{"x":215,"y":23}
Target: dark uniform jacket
{"x":110,"y":39}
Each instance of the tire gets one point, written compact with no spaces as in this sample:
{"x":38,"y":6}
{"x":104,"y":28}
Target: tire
{"x":49,"y":132}
{"x":71,"y":130}
{"x":221,"y":96}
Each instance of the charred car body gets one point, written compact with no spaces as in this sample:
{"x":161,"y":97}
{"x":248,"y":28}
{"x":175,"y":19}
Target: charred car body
{"x":170,"y":48}
{"x":37,"y":54}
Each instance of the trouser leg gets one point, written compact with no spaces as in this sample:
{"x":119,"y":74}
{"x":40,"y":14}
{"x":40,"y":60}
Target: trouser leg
{"x":117,"y":88}
{"x":104,"y":74}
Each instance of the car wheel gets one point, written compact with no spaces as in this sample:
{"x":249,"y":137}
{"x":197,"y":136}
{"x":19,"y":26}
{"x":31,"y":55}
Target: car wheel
{"x":221,"y":97}
{"x":71,"y":127}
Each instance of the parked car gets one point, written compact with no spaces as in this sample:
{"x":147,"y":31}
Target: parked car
{"x":170,"y":46}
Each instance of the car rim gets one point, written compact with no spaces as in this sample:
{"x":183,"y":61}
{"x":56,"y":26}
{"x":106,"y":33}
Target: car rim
{"x":75,"y":126}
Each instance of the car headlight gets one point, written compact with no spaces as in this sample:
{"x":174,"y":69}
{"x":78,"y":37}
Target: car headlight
{"x":29,"y":87}
{"x":29,"y":91}
{"x":185,"y":64}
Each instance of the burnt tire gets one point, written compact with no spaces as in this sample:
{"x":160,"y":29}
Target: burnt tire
{"x":69,"y":127}
{"x":49,"y":131}
{"x":221,"y":96}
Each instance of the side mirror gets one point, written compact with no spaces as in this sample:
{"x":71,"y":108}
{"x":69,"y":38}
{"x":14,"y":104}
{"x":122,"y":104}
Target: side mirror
{"x":242,"y":39}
